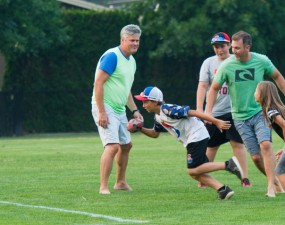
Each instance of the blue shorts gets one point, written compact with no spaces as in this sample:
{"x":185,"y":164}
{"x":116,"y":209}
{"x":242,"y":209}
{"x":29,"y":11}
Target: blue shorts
{"x":253,"y":131}
{"x":116,"y":131}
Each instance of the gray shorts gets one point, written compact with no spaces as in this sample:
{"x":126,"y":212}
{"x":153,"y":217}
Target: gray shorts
{"x":116,"y":131}
{"x":280,"y":167}
{"x":253,"y":131}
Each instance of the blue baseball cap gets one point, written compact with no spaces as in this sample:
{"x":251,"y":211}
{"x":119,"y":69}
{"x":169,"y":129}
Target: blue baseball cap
{"x":150,"y":93}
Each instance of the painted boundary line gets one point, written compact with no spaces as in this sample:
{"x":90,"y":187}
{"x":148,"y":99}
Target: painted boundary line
{"x":117,"y":219}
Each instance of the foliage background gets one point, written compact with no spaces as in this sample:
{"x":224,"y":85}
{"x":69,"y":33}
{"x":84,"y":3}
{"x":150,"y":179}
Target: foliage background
{"x":51,"y":52}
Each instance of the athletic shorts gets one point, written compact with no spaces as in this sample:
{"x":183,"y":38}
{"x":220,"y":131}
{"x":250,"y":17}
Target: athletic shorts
{"x":280,"y":167}
{"x":196,"y":153}
{"x":217,"y":137}
{"x":253,"y":131}
{"x":116,"y":131}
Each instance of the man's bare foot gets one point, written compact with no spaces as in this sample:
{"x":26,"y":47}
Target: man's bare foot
{"x":270,"y":195}
{"x":124,"y":187}
{"x":104,"y":192}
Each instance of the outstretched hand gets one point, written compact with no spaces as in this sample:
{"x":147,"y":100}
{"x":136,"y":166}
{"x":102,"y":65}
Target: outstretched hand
{"x":223,"y":125}
{"x":278,"y":154}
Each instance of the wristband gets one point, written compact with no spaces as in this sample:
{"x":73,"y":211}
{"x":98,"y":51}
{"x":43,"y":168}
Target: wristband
{"x":136,"y":110}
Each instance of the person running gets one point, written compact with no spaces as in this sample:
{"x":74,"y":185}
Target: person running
{"x":222,"y":108}
{"x":186,"y":126}
{"x":242,"y":72}
{"x":273,"y":110}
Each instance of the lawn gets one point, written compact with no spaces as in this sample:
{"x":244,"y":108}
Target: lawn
{"x":54,"y":179}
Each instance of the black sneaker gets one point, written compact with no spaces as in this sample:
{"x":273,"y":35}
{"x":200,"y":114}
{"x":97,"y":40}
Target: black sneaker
{"x":233,"y":166}
{"x":225,"y":193}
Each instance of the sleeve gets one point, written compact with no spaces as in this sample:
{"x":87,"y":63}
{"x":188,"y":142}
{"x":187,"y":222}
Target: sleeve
{"x":272,"y":113}
{"x":220,"y":76}
{"x":108,"y":63}
{"x":175,"y":111}
{"x":269,"y":67}
{"x":158,"y":127}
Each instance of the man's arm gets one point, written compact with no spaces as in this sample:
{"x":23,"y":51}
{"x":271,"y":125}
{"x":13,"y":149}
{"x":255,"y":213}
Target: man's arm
{"x":201,"y":95}
{"x":279,"y":80}
{"x":132,"y":107}
{"x":212,"y":96}
{"x":101,"y":78}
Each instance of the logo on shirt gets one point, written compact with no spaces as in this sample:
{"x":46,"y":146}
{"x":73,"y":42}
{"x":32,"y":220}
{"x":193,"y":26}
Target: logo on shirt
{"x":244,"y":75}
{"x":172,"y":128}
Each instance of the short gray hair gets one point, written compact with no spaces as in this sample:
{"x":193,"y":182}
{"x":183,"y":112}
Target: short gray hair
{"x":130,"y":29}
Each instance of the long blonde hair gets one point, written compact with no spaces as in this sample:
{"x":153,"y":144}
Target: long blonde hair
{"x":269,"y":99}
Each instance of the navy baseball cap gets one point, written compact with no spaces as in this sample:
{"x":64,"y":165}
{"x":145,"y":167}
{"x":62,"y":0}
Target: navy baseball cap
{"x":220,"y":38}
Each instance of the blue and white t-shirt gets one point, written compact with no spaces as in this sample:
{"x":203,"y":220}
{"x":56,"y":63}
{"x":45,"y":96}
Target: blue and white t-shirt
{"x":175,"y":120}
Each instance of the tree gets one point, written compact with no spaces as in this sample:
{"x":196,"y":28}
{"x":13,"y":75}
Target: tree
{"x":181,"y":29}
{"x":29,"y":26}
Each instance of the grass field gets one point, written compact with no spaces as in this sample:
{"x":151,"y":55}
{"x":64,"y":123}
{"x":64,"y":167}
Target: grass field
{"x":54,"y":179}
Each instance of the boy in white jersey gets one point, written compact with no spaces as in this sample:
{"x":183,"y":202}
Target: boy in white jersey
{"x":222,"y":108}
{"x":183,"y":123}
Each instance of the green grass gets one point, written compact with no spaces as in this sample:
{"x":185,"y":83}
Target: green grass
{"x":62,"y":171}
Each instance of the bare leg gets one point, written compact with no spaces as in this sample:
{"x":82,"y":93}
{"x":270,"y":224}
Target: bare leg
{"x":211,"y":153}
{"x":106,"y":165}
{"x":269,"y":166}
{"x":258,"y":161}
{"x":122,"y":159}
{"x":281,"y":178}
{"x":208,"y":180}
{"x":207,"y":168}
{"x":239,"y":151}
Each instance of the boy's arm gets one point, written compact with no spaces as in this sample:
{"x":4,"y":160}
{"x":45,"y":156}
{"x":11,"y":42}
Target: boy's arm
{"x":201,"y":95}
{"x":149,"y":132}
{"x":222,"y":125}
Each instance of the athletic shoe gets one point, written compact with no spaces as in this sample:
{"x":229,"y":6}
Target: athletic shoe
{"x":225,"y":193}
{"x":233,"y":166}
{"x":245,"y":182}
{"x":201,"y":185}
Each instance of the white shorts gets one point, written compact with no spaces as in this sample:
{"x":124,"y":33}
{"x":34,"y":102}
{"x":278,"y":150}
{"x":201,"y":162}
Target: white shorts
{"x":116,"y":131}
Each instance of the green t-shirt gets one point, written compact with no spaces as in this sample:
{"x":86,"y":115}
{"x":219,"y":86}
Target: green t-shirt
{"x":242,"y":79}
{"x":117,"y":88}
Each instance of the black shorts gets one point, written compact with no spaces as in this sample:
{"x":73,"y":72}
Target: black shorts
{"x":217,"y":137}
{"x":196,"y":153}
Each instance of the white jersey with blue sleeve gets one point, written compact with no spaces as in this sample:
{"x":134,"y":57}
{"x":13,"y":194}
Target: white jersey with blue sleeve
{"x":175,"y":120}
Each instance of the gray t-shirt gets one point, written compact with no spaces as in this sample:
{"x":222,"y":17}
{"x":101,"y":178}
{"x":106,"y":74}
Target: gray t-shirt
{"x":207,"y":72}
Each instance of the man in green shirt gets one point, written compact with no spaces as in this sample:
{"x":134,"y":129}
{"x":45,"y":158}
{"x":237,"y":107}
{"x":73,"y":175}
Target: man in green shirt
{"x":242,"y":72}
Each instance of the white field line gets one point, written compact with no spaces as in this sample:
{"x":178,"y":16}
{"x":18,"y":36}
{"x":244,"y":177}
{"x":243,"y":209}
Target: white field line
{"x":117,"y":219}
